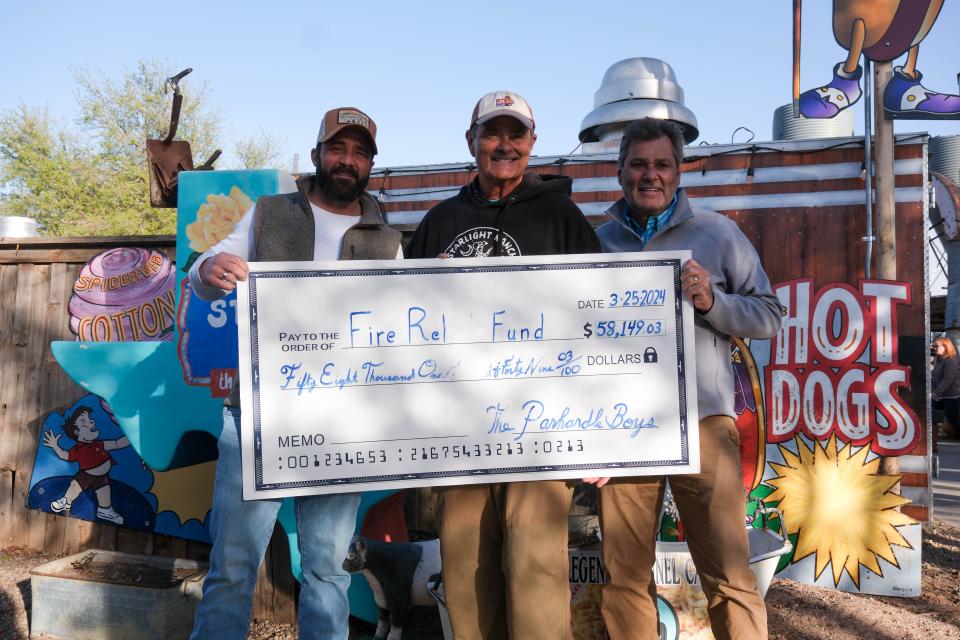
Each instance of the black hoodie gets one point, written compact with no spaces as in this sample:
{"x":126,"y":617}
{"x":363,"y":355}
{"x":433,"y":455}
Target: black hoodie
{"x":536,"y":218}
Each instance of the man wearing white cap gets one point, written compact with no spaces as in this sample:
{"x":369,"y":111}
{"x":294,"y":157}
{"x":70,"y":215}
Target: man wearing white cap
{"x":330,"y":217}
{"x":504,"y":545}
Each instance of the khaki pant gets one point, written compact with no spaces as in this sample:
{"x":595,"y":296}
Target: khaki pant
{"x":504,"y":553}
{"x":712,"y":508}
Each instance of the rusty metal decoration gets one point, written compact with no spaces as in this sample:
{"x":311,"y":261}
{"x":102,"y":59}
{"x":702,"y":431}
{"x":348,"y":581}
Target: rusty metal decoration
{"x":166,"y":158}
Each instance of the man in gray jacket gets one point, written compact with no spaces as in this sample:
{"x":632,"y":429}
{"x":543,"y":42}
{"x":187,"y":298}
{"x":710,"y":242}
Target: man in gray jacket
{"x":731,"y":296}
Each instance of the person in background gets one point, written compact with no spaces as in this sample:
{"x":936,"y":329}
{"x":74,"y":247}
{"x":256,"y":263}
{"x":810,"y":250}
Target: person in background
{"x":945,"y":384}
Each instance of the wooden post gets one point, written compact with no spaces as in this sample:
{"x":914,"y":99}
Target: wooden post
{"x":885,"y":218}
{"x":797,"y":10}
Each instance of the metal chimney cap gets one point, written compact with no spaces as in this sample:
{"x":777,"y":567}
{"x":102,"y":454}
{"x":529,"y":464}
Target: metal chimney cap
{"x":633,"y":89}
{"x":638,"y":78}
{"x":609,"y":121}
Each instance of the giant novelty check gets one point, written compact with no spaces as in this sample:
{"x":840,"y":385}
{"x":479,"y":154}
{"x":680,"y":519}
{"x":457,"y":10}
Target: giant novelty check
{"x":388,"y":374}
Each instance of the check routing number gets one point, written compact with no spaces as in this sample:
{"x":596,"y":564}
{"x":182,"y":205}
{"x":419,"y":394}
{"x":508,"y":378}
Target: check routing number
{"x":369,"y":375}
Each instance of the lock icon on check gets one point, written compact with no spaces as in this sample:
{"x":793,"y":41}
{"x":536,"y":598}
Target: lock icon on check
{"x":650,"y":355}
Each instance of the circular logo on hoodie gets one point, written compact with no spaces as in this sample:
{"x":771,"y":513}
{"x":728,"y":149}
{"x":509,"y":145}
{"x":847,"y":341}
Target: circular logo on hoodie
{"x":481,"y":242}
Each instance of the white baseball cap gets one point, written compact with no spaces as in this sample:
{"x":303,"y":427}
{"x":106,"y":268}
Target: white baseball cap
{"x":502,"y":103}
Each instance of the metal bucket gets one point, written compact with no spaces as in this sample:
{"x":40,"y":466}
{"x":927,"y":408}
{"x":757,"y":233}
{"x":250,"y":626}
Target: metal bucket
{"x":766,"y":548}
{"x":68,"y":605}
{"x":766,"y":545}
{"x":18,"y":227}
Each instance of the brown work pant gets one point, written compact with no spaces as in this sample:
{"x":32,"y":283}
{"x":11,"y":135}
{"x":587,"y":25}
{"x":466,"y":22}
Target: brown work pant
{"x":504,"y":553}
{"x":712,"y":508}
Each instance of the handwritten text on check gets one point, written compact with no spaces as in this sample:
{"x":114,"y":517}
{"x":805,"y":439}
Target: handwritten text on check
{"x":371,"y":375}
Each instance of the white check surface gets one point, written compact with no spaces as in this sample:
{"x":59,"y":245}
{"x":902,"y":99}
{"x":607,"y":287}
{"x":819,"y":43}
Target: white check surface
{"x":368,"y":375}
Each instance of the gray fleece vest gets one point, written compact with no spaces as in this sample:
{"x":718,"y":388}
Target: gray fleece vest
{"x":283,"y":229}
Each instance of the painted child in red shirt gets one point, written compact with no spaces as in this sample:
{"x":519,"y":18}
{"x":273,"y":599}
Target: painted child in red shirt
{"x":94,"y":461}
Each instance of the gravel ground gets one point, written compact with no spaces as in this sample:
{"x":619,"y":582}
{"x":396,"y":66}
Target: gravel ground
{"x":15,"y":565}
{"x":796,"y":611}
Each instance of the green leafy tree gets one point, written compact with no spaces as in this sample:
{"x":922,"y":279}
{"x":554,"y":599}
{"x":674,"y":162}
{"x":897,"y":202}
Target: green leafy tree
{"x":122,"y":114}
{"x":92,"y":179}
{"x":49,"y":174}
{"x":258,"y":151}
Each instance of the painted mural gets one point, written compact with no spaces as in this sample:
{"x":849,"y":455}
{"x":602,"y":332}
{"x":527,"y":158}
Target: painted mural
{"x":834,"y":407}
{"x":211,"y":204}
{"x":86,"y":469}
{"x":160,"y":390}
{"x":124,"y":294}
{"x":166,"y":393}
{"x":881,"y":31}
{"x":817,"y":406}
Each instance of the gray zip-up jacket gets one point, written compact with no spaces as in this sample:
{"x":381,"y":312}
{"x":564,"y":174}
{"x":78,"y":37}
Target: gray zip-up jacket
{"x":743,"y":304}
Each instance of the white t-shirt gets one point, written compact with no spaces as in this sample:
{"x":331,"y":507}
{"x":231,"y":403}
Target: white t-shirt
{"x":328,"y":233}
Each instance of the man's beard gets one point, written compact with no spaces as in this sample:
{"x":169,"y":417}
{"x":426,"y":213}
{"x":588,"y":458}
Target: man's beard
{"x":338,"y":192}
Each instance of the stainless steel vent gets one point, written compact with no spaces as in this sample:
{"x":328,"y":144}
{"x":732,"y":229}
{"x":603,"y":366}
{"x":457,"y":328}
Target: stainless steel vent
{"x":632,"y":89}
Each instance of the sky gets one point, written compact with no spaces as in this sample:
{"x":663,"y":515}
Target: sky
{"x":419,"y":67}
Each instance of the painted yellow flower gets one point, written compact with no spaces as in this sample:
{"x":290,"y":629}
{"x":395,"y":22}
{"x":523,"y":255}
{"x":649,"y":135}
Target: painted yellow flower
{"x":216,"y":218}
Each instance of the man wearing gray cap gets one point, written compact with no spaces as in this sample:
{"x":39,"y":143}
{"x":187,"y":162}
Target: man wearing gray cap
{"x":504,"y":545}
{"x":330,"y":217}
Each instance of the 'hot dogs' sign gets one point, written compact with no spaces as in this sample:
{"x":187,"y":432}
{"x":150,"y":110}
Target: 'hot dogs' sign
{"x":833,"y":366}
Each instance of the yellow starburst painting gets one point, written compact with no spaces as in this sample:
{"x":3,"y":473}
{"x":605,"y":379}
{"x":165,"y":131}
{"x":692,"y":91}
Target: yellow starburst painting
{"x":839,"y":507}
{"x":186,"y":491}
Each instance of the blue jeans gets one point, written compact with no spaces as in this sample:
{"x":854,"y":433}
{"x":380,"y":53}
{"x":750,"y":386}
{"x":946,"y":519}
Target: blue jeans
{"x":241,"y":531}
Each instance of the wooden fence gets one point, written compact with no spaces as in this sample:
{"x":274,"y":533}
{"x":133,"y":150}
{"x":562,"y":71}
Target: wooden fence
{"x":36,"y":281}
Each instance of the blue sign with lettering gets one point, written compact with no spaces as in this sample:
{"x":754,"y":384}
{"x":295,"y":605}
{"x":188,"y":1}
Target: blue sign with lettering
{"x":210,"y":205}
